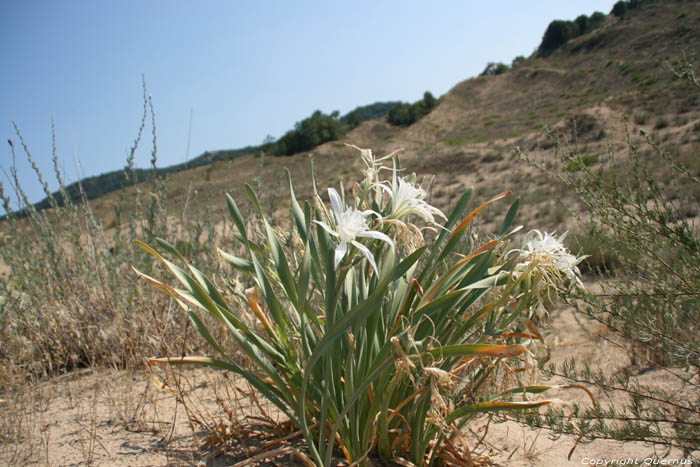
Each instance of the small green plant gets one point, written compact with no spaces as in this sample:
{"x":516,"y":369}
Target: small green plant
{"x":661,"y":123}
{"x":581,"y":162}
{"x":367,"y":339}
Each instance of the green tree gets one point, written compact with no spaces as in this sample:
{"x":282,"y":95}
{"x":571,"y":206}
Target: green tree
{"x":406,"y":114}
{"x":620,"y":9}
{"x":557,"y":34}
{"x":311,"y":132}
{"x":400,"y":115}
{"x":582,"y":24}
{"x":596,"y":20}
{"x":493,"y":68}
{"x":429,"y":100}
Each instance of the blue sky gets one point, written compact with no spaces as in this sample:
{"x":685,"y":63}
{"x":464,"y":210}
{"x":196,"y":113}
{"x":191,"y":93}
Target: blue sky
{"x":242,"y":69}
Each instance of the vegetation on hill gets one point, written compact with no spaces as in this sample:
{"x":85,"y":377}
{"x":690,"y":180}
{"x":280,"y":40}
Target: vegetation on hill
{"x":497,"y":68}
{"x":99,"y":185}
{"x":320,"y":127}
{"x":406,"y":114}
{"x":310,"y":132}
{"x":560,"y":31}
{"x":647,"y":252}
{"x":90,"y":188}
{"x":367,"y":112}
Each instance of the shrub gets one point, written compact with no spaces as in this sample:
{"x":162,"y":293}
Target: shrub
{"x":649,"y":305}
{"x":367,"y":112}
{"x":311,"y":132}
{"x":494,"y":69}
{"x":400,"y":115}
{"x":69,"y":301}
{"x":365,"y":338}
{"x":517,"y":61}
{"x":619,"y":9}
{"x":560,"y":31}
{"x":407,"y":114}
{"x":596,"y":20}
{"x":557,"y":34}
{"x":582,"y":24}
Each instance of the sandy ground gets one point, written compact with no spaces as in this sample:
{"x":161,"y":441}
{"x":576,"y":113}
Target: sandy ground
{"x":115,"y":418}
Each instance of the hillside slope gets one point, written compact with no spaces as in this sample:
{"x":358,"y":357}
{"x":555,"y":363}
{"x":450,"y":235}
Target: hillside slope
{"x":581,"y":91}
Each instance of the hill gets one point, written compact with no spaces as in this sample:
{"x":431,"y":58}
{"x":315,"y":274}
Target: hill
{"x":580,"y":92}
{"x":100,"y":185}
{"x":583,"y":86}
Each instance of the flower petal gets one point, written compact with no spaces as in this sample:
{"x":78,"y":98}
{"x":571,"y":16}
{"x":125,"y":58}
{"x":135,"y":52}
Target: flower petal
{"x":368,"y":254}
{"x":328,"y":229}
{"x":340,"y":252}
{"x":377,"y":235}
{"x":336,"y":203}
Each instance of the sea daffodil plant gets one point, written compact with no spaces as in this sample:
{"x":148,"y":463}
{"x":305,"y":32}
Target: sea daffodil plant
{"x":389,"y":352}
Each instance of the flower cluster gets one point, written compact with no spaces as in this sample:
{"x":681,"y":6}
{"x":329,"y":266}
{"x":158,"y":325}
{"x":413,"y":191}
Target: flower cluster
{"x":347,"y":223}
{"x":542,"y":255}
{"x":549,"y":261}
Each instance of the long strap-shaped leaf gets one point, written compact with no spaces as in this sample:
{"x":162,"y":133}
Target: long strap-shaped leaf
{"x":495,"y":406}
{"x":348,"y":405}
{"x":358,"y":313}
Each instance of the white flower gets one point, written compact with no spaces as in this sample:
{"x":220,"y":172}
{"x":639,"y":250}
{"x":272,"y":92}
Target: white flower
{"x":550,"y":258}
{"x":349,"y":225}
{"x":408,"y":198}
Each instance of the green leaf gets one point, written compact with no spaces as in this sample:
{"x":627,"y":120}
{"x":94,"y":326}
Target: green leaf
{"x":477,"y":350}
{"x":237,"y":218}
{"x":240,"y":264}
{"x":358,"y":314}
{"x":491,"y":407}
{"x":510,"y":217}
{"x":408,"y":262}
{"x":204,"y":332}
{"x":297,"y":212}
{"x":283,"y":271}
{"x":254,"y":199}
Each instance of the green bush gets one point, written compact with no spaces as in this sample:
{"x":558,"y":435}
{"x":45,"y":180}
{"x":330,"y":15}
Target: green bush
{"x":620,"y":9}
{"x":310,"y":132}
{"x":494,"y":69}
{"x":406,"y":114}
{"x":367,"y":339}
{"x":650,"y":295}
{"x":367,"y":112}
{"x":557,"y":34}
{"x":582,"y":24}
{"x":400,"y":115}
{"x":596,"y":20}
